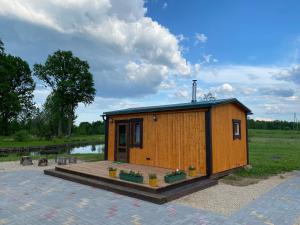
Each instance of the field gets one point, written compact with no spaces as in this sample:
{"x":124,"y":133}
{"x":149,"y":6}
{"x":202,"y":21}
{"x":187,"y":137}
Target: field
{"x":271,"y":152}
{"x":9,"y":142}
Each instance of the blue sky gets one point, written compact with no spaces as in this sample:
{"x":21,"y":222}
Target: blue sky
{"x":147,"y":53}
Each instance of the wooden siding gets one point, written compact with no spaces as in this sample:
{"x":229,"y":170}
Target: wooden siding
{"x":226,"y":152}
{"x":175,"y":140}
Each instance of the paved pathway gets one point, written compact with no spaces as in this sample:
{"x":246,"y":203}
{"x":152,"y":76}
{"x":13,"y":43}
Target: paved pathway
{"x":30,"y":197}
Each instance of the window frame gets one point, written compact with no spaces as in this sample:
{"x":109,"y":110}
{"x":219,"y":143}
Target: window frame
{"x":133,"y":123}
{"x":236,"y":136}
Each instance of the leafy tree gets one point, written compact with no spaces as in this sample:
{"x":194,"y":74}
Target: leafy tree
{"x":71,"y":83}
{"x":209,"y":97}
{"x":1,"y":47}
{"x":16,"y":90}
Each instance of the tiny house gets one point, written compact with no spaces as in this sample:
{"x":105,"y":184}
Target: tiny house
{"x":210,"y":135}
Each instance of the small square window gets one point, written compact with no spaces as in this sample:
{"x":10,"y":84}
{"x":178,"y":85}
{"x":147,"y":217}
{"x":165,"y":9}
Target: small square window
{"x":236,"y":127}
{"x":136,"y":133}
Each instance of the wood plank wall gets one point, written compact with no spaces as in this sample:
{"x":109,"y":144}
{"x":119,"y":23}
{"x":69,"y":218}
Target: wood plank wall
{"x":175,"y":140}
{"x":226,"y":152}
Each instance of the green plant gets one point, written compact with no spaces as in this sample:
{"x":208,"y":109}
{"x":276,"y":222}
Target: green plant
{"x":21,"y":136}
{"x":132,"y":173}
{"x":152,"y":176}
{"x":175,"y":173}
{"x":131,"y":176}
{"x":192,"y":167}
{"x":112,"y":169}
{"x":174,"y":176}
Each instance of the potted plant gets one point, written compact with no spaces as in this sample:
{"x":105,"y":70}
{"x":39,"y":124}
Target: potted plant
{"x":112,"y":172}
{"x":152,"y":179}
{"x":192,"y":171}
{"x":131,"y":176}
{"x":174,"y":176}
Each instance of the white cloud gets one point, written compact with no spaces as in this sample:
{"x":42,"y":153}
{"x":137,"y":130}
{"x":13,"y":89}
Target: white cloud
{"x":263,"y":118}
{"x":129,"y":53}
{"x":200,"y":38}
{"x":291,"y":74}
{"x":165,"y":5}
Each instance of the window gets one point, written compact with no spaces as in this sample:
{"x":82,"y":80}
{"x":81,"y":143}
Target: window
{"x":136,"y":133}
{"x":236,"y":126}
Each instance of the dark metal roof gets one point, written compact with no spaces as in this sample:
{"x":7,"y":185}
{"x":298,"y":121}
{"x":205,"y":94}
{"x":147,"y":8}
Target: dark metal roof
{"x":182,"y":106}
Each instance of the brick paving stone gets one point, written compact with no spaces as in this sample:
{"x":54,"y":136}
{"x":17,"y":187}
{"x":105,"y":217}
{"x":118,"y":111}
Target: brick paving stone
{"x":30,"y":197}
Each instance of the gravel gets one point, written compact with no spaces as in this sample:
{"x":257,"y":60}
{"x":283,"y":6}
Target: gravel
{"x":297,"y":222}
{"x":227,"y":199}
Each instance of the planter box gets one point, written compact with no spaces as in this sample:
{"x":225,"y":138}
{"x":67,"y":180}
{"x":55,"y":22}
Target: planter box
{"x":171,"y":179}
{"x":128,"y":177}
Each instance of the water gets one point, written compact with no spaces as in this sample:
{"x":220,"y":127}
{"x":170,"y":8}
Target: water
{"x":88,"y":149}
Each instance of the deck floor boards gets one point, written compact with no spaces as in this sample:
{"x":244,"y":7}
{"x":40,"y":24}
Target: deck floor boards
{"x":100,"y":169}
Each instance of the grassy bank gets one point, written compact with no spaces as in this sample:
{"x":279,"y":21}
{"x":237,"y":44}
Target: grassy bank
{"x":9,"y":142}
{"x":271,"y":152}
{"x":85,"y":157}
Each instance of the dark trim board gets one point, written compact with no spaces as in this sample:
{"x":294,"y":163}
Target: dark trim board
{"x":225,"y":173}
{"x":208,"y":141}
{"x":162,"y":196}
{"x":106,"y":124}
{"x":247,"y":139}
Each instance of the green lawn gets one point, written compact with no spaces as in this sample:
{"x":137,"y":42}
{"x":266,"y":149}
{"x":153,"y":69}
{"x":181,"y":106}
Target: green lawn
{"x":8,"y":142}
{"x":272,"y":152}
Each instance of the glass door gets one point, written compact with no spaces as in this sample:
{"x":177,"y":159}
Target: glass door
{"x":122,"y":142}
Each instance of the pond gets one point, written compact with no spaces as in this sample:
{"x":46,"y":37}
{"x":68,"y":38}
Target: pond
{"x":88,"y":149}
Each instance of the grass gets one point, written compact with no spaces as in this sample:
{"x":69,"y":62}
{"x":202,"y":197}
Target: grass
{"x":271,"y":152}
{"x":9,"y":142}
{"x":89,"y":157}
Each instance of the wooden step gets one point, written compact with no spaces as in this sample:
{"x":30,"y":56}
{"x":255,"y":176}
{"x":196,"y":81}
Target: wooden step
{"x":132,"y":190}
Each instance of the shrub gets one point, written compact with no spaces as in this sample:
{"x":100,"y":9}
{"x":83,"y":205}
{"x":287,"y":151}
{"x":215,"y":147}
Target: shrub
{"x":21,"y":136}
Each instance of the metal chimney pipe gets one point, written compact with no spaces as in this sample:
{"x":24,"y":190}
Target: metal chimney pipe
{"x":194,"y":91}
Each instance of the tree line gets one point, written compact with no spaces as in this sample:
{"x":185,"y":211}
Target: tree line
{"x":273,"y":125}
{"x":70,"y":81}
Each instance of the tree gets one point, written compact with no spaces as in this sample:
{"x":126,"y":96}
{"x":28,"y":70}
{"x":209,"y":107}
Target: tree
{"x":1,"y":47}
{"x":209,"y":97}
{"x":16,"y":90}
{"x":71,"y":83}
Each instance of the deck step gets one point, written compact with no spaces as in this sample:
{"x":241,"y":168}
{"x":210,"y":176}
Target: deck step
{"x":148,"y":196}
{"x":134,"y":190}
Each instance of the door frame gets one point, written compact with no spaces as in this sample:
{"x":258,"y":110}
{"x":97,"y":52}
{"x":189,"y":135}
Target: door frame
{"x":117,"y":123}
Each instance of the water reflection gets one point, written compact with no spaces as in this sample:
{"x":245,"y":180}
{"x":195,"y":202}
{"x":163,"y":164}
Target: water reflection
{"x":88,"y":149}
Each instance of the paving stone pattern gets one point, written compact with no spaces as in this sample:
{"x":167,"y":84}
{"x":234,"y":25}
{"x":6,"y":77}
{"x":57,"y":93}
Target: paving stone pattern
{"x":30,"y":197}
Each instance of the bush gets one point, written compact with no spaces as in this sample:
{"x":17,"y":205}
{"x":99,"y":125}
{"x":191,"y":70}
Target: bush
{"x":21,"y":136}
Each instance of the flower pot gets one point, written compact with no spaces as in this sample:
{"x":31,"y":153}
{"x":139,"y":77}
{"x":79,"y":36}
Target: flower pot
{"x":153,"y":182}
{"x":192,"y":173}
{"x":113,"y":173}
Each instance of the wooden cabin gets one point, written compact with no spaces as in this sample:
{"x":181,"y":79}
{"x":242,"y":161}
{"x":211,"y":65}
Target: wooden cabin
{"x":210,"y":135}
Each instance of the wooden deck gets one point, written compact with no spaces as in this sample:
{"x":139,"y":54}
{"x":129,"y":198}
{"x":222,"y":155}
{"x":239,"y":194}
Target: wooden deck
{"x":96,"y":174}
{"x":100,"y":169}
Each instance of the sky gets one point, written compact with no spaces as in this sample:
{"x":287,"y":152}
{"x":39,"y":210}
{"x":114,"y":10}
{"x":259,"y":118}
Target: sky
{"x":144,"y":53}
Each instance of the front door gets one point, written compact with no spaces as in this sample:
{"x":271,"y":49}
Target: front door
{"x":122,"y":142}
